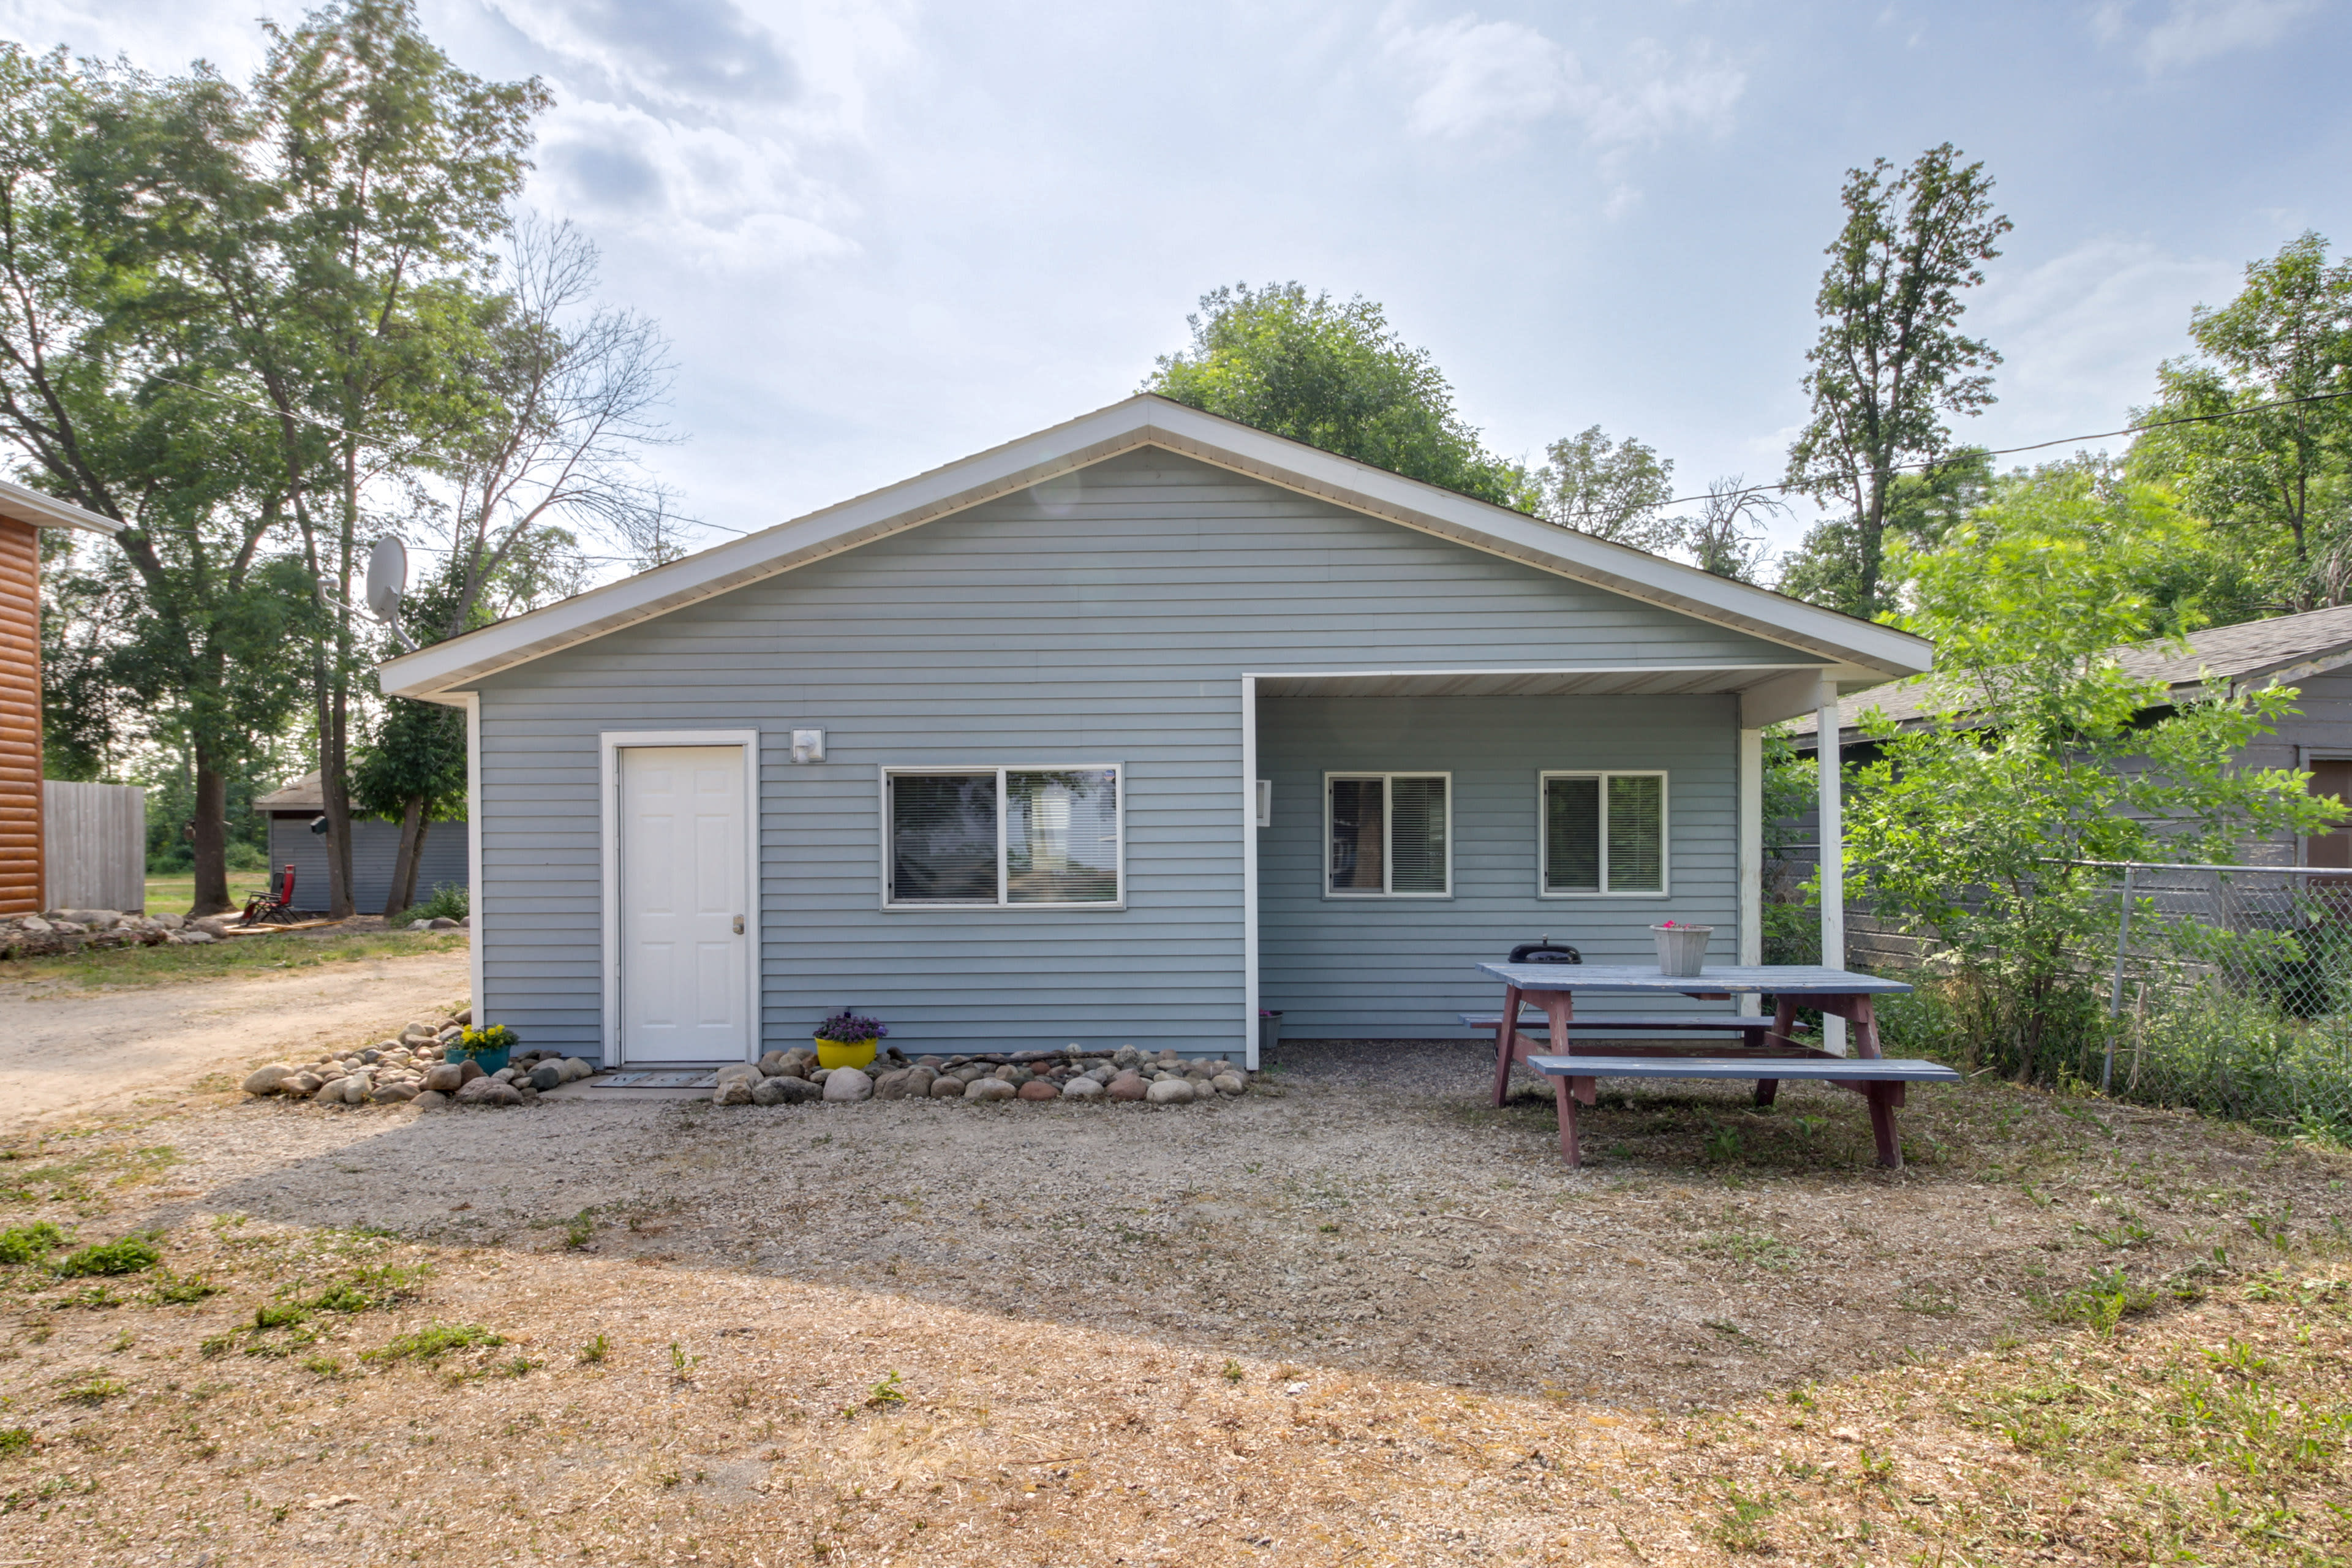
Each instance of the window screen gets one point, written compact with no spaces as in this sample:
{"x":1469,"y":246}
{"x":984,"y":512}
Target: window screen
{"x":1060,"y":842}
{"x":1604,"y":833}
{"x":1387,"y":835}
{"x":1061,"y":836}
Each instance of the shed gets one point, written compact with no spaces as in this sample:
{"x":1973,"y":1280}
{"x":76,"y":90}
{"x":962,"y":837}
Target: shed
{"x":23,"y":514}
{"x":441,"y":860}
{"x":1121,"y":732}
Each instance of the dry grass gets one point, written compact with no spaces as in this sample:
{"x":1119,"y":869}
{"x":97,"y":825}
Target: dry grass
{"x":677,"y":1395}
{"x":121,"y":966}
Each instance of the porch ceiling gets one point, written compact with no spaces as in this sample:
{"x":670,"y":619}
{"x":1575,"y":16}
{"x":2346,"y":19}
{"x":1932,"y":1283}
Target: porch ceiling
{"x":1649,"y":682}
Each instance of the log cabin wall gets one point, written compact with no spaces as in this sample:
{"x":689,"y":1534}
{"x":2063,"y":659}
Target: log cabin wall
{"x":20,"y":718}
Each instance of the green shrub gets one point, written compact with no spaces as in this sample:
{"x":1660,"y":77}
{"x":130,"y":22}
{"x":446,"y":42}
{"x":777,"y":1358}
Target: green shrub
{"x":448,"y":903}
{"x":128,"y":1255}
{"x":31,"y":1243}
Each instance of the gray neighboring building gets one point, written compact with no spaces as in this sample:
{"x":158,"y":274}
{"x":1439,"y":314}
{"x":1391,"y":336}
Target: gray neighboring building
{"x":375,"y":846}
{"x":1120,"y":733}
{"x":2311,"y":652}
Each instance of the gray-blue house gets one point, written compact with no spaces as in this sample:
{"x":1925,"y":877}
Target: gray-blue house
{"x":1121,"y":732}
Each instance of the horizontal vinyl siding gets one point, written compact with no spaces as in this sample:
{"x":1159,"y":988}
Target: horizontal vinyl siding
{"x":375,"y":849}
{"x":1402,"y":968}
{"x":1108,"y":619}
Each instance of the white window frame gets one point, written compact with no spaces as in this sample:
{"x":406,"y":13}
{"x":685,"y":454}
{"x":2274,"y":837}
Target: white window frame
{"x":1388,"y":832}
{"x":1665,"y":832}
{"x":939,"y":770}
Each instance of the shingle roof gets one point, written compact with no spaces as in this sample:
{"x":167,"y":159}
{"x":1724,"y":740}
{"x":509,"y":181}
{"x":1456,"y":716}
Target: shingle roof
{"x":2246,"y":655}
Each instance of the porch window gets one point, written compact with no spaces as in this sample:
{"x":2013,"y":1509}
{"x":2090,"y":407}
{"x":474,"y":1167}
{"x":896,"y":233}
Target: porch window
{"x":998,"y":836}
{"x":1603,"y":833}
{"x":1388,"y":835}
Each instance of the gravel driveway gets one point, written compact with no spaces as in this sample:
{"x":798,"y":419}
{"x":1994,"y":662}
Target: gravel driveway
{"x":1372,"y":1212}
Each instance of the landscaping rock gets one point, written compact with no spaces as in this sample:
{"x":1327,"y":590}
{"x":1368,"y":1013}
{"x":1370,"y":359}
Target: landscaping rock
{"x":92,"y":920}
{"x":489,"y":1091}
{"x":440,"y":922}
{"x":947,"y":1086}
{"x":267,"y":1079}
{"x":989,"y":1089}
{"x":430,"y":1099}
{"x":797,"y":1090}
{"x":731,"y":1092}
{"x":845,"y":1084}
{"x":772,"y":1064}
{"x":463,"y":1014}
{"x":547,"y":1075}
{"x":1127,"y":1056}
{"x":468,"y":1071}
{"x":167,"y":921}
{"x":301,"y":1086}
{"x":1038,"y":1088}
{"x":192,"y":938}
{"x":395,"y":1094}
{"x":446,"y":1078}
{"x":1227,"y":1083}
{"x":1170,"y":1091}
{"x":893,"y":1085}
{"x":577,"y":1068}
{"x":1083,"y":1087}
{"x":1127,"y":1086}
{"x":771,"y":1091}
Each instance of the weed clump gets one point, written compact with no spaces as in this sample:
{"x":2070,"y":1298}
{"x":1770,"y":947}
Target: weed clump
{"x":128,"y":1255}
{"x":31,"y":1243}
{"x":432,"y":1342}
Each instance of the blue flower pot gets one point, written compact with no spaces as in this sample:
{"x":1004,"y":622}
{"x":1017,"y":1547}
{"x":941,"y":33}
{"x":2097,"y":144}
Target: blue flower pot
{"x":489,"y":1061}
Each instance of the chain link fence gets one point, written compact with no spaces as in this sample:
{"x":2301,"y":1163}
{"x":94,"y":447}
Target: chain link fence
{"x":2230,"y":990}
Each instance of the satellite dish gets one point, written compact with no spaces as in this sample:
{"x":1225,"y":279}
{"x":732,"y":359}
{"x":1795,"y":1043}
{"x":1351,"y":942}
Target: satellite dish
{"x":388,"y":578}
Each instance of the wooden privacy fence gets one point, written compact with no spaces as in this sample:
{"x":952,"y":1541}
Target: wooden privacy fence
{"x":93,"y":846}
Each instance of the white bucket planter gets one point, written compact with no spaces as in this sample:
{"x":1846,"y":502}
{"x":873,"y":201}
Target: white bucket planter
{"x":1682,"y":949}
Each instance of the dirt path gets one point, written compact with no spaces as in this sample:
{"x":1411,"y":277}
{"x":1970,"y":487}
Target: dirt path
{"x":71,"y":1050}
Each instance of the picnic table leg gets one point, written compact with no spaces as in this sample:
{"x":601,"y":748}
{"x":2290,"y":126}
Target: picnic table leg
{"x":1566,"y":1101}
{"x":1768,"y":1090}
{"x":1866,"y":1027}
{"x":1883,"y":1101}
{"x":1507,"y":1043}
{"x":1784,"y":1021}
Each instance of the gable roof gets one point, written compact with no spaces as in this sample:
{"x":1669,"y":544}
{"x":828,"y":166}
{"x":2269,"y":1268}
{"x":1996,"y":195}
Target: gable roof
{"x":1854,"y":649}
{"x":2253,"y":654}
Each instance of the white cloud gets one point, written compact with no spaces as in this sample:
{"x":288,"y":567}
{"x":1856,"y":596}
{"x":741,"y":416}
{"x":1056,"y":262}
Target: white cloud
{"x":700,"y":192}
{"x":1470,"y":78}
{"x":2193,"y":30}
{"x":2083,"y":333}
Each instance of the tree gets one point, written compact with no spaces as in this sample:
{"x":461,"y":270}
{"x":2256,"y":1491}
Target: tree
{"x":2278,"y":361}
{"x":1922,"y":507}
{"x":1891,"y":360}
{"x":1609,"y":489}
{"x":411,"y":769}
{"x":1977,"y":828}
{"x":336,"y":216}
{"x":1336,"y":376}
{"x":1728,"y":536}
{"x":116,"y":406}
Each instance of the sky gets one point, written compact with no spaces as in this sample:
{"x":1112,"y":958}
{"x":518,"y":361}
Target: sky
{"x":882,"y":236}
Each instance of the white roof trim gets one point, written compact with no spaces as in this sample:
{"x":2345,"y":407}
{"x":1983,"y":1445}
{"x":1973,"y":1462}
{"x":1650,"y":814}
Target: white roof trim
{"x":1150,"y":421}
{"x":30,"y":506}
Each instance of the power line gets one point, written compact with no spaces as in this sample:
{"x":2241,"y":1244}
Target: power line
{"x":2062,"y":441}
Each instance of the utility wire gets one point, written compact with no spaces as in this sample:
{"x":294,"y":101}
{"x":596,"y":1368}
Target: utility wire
{"x":2062,"y":441}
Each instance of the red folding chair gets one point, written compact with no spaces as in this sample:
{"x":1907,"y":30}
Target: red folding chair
{"x":274,"y":908}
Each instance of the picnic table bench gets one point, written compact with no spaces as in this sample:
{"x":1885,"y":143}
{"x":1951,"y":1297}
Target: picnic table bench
{"x":1768,"y":1054}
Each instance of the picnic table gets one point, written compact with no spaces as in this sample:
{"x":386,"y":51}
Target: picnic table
{"x":1768,"y":1052}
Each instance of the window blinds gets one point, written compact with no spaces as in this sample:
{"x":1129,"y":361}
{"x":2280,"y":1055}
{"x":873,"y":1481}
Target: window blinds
{"x":943,"y":838}
{"x":1416,"y":836}
{"x":1604,"y":833}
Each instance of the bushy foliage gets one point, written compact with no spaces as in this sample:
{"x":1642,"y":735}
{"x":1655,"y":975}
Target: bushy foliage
{"x":449,"y":903}
{"x":2044,"y":754}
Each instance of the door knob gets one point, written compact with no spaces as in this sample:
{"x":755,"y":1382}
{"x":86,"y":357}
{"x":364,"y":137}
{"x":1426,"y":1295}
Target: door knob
{"x":739,"y":925}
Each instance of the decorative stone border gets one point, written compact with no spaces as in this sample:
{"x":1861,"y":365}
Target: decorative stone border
{"x":789,"y":1078}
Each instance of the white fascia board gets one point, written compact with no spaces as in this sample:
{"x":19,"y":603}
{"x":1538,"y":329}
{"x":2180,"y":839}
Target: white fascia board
{"x":30,"y":506}
{"x":1150,"y":421}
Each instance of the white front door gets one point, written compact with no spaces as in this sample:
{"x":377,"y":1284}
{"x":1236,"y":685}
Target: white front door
{"x":684,"y":991}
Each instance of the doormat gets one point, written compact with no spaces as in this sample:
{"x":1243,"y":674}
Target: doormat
{"x":693,"y":1078}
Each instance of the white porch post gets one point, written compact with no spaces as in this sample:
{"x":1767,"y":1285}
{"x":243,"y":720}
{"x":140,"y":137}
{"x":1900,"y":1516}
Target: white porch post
{"x":1828,"y":751}
{"x":1751,"y":856}
{"x":478,"y":921}
{"x":1251,"y":1032}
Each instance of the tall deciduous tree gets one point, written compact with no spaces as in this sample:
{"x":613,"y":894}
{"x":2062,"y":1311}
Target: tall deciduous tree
{"x":1334,"y":375}
{"x":339,"y":216}
{"x":1611,"y":489}
{"x":1727,"y":536}
{"x":2277,"y":359}
{"x":1891,"y":361}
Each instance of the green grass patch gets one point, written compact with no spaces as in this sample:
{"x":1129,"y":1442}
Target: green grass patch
{"x":432,"y":1342}
{"x":238,"y":955}
{"x":16,"y":1440}
{"x":128,"y":1255}
{"x":31,"y":1243}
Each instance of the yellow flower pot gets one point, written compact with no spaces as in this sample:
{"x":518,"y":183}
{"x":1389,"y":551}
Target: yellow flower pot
{"x":834,"y":1054}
